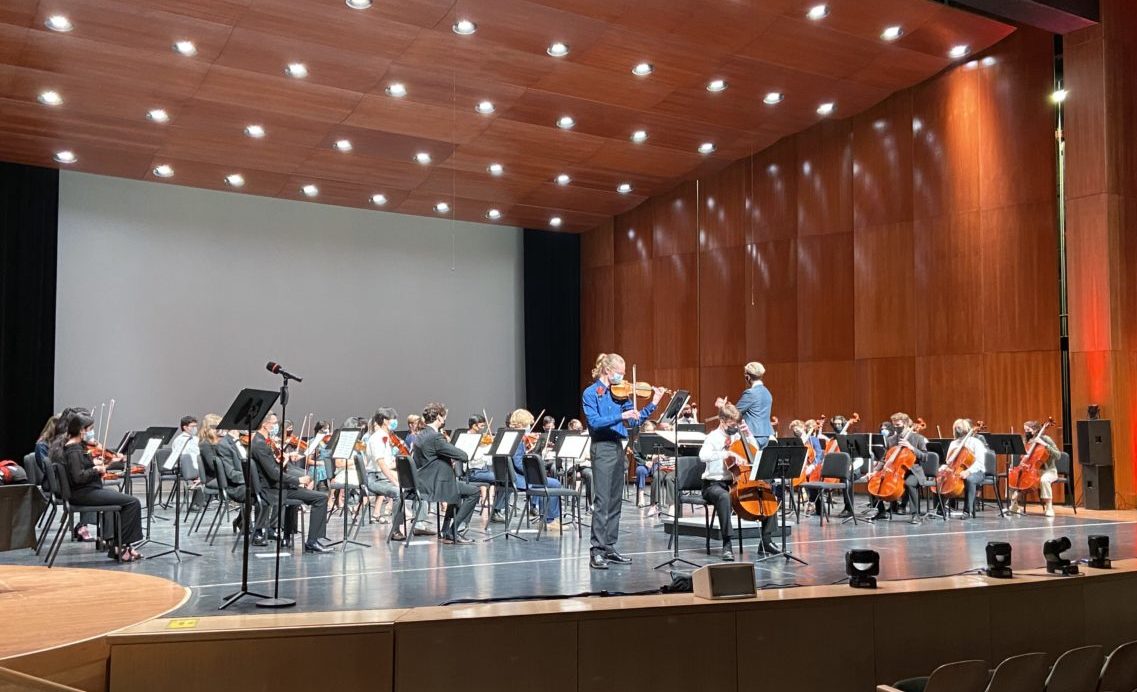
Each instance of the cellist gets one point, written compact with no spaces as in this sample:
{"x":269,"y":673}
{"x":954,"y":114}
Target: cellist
{"x":918,"y":444}
{"x":973,"y":476}
{"x":717,"y":478}
{"x":1049,"y":473}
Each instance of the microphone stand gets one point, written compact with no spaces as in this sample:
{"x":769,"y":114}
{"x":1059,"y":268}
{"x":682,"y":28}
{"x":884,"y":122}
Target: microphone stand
{"x":276,"y":601}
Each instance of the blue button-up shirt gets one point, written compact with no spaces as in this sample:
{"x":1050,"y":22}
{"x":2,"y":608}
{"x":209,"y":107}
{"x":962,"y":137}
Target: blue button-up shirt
{"x":605,"y":414}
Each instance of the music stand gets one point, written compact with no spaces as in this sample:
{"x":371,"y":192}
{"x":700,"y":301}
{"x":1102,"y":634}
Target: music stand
{"x":1005,"y":444}
{"x":175,"y":461}
{"x":671,"y":448}
{"x":505,"y":444}
{"x":675,"y":406}
{"x":343,"y":441}
{"x":856,"y":445}
{"x":148,"y":441}
{"x":781,"y":463}
{"x":246,"y":413}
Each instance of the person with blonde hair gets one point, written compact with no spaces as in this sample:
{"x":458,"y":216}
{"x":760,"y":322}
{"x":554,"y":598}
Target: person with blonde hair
{"x":608,"y":418}
{"x":755,"y":403}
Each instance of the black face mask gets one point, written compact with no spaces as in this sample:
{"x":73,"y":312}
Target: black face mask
{"x":732,"y":430}
{"x":1030,"y":435}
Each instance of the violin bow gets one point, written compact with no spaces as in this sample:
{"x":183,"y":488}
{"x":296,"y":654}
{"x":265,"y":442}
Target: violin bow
{"x":107,"y":430}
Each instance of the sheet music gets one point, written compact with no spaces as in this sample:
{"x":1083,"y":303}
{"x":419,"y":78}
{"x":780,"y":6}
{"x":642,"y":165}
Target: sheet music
{"x":173,"y":459}
{"x":754,"y":466}
{"x":686,"y":438}
{"x":345,"y":445}
{"x":505,"y":444}
{"x":573,"y":447}
{"x":152,"y":445}
{"x":468,"y":442}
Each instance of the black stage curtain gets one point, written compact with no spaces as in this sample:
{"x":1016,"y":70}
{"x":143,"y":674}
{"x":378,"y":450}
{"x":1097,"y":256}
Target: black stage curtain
{"x":29,"y":212}
{"x":552,"y":322}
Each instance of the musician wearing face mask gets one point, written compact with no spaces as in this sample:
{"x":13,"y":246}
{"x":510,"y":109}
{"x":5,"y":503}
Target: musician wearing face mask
{"x":807,"y":432}
{"x":755,"y":403}
{"x":266,"y":461}
{"x":607,"y":425}
{"x":717,"y":478}
{"x":973,"y":476}
{"x":1049,"y":472}
{"x":436,"y":458}
{"x":918,"y":445}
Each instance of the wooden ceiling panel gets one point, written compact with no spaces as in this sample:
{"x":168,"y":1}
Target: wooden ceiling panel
{"x":117,"y":64}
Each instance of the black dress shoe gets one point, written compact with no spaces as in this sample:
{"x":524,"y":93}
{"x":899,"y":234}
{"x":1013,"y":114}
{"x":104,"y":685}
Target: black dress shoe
{"x":845,"y":514}
{"x":880,"y":514}
{"x":617,"y":558}
{"x":316,"y":548}
{"x":597,"y":561}
{"x":771,"y":549}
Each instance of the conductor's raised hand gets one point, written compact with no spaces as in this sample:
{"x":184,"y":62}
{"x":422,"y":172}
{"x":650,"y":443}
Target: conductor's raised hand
{"x":657,"y":394}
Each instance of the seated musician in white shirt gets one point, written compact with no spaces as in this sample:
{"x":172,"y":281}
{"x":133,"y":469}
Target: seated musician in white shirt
{"x":973,"y":476}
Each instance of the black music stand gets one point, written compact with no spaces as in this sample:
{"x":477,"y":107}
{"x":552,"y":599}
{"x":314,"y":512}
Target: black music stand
{"x":505,"y":444}
{"x":781,"y":462}
{"x":1009,"y":445}
{"x":139,"y":442}
{"x":675,"y":406}
{"x":246,"y":413}
{"x":175,"y":460}
{"x":343,"y":441}
{"x":667,"y":447}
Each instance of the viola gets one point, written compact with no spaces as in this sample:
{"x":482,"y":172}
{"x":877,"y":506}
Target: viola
{"x":888,"y":483}
{"x":399,"y":445}
{"x":752,"y":500}
{"x":949,"y":479}
{"x":1028,"y":472}
{"x":623,"y":390}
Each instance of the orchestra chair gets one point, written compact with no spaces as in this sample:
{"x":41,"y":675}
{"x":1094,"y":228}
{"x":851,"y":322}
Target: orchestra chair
{"x":1022,"y":673}
{"x":364,"y":494}
{"x":835,"y":475}
{"x":268,"y":497}
{"x":505,"y":485}
{"x":689,"y":479}
{"x":537,"y":487}
{"x":1076,"y":670}
{"x":961,"y":676}
{"x":28,"y":463}
{"x":411,"y":489}
{"x":929,"y":488}
{"x":329,"y":474}
{"x":35,"y":477}
{"x":990,"y":480}
{"x":188,"y":472}
{"x":55,"y":502}
{"x":224,"y":503}
{"x":1065,"y":477}
{"x":208,"y":493}
{"x":63,"y":486}
{"x":1119,"y":674}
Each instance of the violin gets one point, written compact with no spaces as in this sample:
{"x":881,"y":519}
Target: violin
{"x":888,"y":483}
{"x":97,"y":451}
{"x":623,"y":390}
{"x":531,"y":439}
{"x":399,"y":445}
{"x":1025,"y":476}
{"x":753,"y":500}
{"x":831,"y":446}
{"x":949,"y":482}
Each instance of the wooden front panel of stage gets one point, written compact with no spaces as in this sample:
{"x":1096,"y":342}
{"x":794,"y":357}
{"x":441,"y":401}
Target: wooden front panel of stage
{"x":828,"y":638}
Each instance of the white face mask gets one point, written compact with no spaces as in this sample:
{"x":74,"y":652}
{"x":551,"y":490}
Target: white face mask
{"x":615,"y":378}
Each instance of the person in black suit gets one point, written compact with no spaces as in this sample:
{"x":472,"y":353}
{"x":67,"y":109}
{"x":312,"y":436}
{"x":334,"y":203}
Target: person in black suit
{"x":918,"y":444}
{"x":270,"y":469}
{"x":434,"y":457}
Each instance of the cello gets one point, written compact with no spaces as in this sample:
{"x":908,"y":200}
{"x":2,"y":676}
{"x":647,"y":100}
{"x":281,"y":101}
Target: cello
{"x":1028,"y":472}
{"x":888,"y":483}
{"x":949,"y":481}
{"x":811,"y":461}
{"x":753,"y":500}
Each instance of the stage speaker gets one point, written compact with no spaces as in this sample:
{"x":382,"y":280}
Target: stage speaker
{"x":1097,"y":487}
{"x":724,"y":580}
{"x":1095,"y":443}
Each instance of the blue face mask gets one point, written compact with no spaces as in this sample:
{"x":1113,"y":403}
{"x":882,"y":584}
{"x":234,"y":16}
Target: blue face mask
{"x":274,"y":430}
{"x":616,"y":378}
{"x":394,"y":424}
{"x":89,"y":435}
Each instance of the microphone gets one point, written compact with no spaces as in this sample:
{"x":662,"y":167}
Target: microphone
{"x":278,"y":369}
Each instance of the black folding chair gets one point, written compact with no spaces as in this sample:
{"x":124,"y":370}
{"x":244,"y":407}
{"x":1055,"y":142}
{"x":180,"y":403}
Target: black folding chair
{"x":63,"y":485}
{"x":689,"y":479}
{"x":537,"y":486}
{"x":835,"y":471}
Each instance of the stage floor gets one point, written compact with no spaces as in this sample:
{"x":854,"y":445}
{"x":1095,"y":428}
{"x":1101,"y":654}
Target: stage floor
{"x":428,"y":573}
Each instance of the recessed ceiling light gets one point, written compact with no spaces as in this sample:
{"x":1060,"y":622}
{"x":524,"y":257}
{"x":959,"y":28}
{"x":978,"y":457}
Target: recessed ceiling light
{"x":988,"y":61}
{"x":255,"y":131}
{"x":50,"y":98}
{"x":891,"y":33}
{"x":296,"y":70}
{"x":359,"y":4}
{"x":639,"y":136}
{"x":495,"y":169}
{"x":1059,"y":96}
{"x":343,"y":145}
{"x":563,"y":179}
{"x":558,"y":50}
{"x":65,"y":156}
{"x":565,"y":122}
{"x":397,"y":89}
{"x":310,"y":190}
{"x":164,"y":171}
{"x":186,"y":48}
{"x":58,"y":22}
{"x":379,"y":200}
{"x":818,"y":12}
{"x":442,"y":207}
{"x":716,"y":85}
{"x":484,"y":107}
{"x":464,"y":27}
{"x":624,"y":188}
{"x":493,"y":214}
{"x":826,"y":108}
{"x":959,"y":51}
{"x":158,"y":115}
{"x":773,"y":97}
{"x":643,"y":69}
{"x":555,"y":222}
{"x":235,"y":180}
{"x":707,"y":148}
{"x":422,"y":157}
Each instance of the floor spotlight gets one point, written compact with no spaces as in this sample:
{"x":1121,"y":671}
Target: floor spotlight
{"x":1056,"y":564}
{"x":1099,"y":552}
{"x":998,"y":560}
{"x":862,"y":567}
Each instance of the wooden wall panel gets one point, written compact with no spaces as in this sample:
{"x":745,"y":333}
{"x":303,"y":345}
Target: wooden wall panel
{"x":824,"y":387}
{"x":675,"y":309}
{"x":825,"y":179}
{"x":724,"y":207}
{"x":771,"y":302}
{"x":722,"y":320}
{"x":949,"y":264}
{"x":597,"y":310}
{"x":945,"y":152}
{"x":1023,"y":386}
{"x":724,"y":380}
{"x":596,"y":247}
{"x":824,"y":286}
{"x":886,"y":305}
{"x":634,"y":318}
{"x":674,"y":218}
{"x":950,"y":387}
{"x":632,"y":235}
{"x":782,"y":380}
{"x":884,"y":386}
{"x":775,"y":176}
{"x":1084,"y":68}
{"x":882,"y":163}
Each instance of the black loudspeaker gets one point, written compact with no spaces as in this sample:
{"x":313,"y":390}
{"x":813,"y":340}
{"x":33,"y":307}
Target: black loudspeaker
{"x":1097,"y":487}
{"x":1095,"y":443}
{"x":725,"y":580}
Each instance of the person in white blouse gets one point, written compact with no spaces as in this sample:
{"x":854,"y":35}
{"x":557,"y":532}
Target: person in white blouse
{"x":973,"y":476}
{"x":717,"y":478}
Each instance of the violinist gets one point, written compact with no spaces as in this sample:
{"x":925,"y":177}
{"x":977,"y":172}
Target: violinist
{"x":918,"y":445}
{"x":481,"y":470}
{"x":973,"y":475}
{"x":86,"y":478}
{"x":1050,"y":469}
{"x":583,"y":466}
{"x":414,"y":427}
{"x":382,"y":481}
{"x":755,"y":403}
{"x":435,"y":458}
{"x":607,"y":421}
{"x":318,"y":453}
{"x":839,"y":423}
{"x":689,"y":414}
{"x":271,"y":468}
{"x":187,"y":436}
{"x":717,"y":478}
{"x":523,"y":419}
{"x":807,"y":431}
